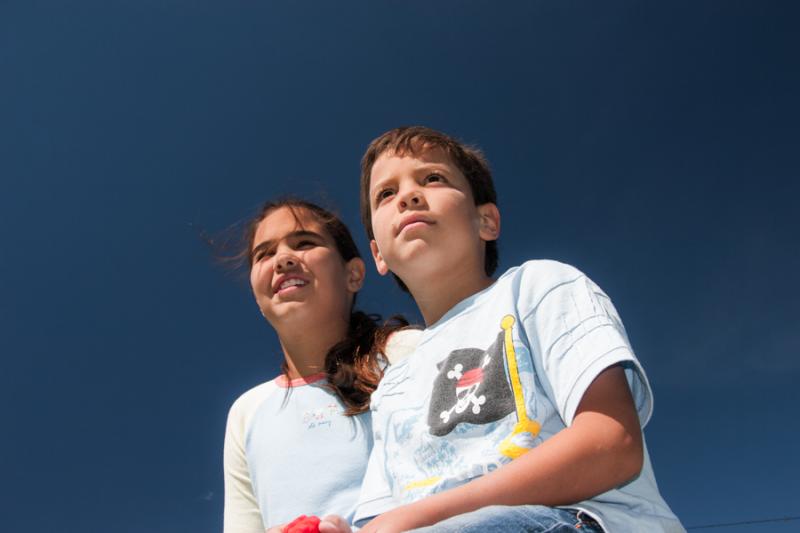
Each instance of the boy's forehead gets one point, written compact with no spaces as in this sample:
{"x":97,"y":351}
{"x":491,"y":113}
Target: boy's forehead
{"x":419,"y":156}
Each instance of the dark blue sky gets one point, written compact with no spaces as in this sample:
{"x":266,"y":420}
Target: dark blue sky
{"x":654,"y":147}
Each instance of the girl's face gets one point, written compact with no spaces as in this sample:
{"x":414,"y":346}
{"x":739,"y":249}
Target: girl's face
{"x":297,"y":272}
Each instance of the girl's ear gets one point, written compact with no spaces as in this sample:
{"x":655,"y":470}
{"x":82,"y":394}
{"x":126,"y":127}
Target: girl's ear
{"x":380,"y":264}
{"x":489,"y":228}
{"x":356,"y":270}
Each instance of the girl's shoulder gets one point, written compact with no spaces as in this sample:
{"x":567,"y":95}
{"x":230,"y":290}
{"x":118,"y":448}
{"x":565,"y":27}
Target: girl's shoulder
{"x":247,"y":403}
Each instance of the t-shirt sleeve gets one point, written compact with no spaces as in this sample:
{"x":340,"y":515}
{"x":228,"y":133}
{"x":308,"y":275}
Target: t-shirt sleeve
{"x":376,"y":492}
{"x":241,"y":513}
{"x":576,"y":333}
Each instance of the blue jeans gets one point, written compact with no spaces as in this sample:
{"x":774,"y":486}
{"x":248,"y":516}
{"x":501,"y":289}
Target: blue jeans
{"x":516,"y":519}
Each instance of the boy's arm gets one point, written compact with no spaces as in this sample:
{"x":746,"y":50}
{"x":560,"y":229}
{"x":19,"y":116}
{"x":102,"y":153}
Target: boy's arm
{"x":599,"y":451}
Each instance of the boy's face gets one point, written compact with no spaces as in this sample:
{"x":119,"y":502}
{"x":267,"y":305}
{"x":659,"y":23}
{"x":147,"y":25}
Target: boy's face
{"x":424,"y":218}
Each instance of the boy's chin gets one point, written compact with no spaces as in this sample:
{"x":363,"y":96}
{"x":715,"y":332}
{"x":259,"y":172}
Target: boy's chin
{"x":422,"y":272}
{"x":415,"y":251}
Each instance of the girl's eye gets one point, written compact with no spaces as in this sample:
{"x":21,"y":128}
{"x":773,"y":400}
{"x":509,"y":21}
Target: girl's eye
{"x":263,"y":254}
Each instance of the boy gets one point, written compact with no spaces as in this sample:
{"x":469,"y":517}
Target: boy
{"x":520,"y":409}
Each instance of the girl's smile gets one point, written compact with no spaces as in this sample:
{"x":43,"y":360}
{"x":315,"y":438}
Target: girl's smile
{"x":297,"y":271}
{"x":288,"y":283}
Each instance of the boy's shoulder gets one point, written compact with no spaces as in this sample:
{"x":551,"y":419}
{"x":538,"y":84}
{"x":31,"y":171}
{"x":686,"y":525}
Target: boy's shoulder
{"x":548,"y":271}
{"x":535,"y":278}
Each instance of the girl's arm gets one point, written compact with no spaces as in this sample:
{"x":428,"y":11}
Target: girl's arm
{"x":602,"y":449}
{"x":241,"y":514}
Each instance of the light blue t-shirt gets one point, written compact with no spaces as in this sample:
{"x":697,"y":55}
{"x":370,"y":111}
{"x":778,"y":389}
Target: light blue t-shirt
{"x":291,"y":451}
{"x":500,"y":373}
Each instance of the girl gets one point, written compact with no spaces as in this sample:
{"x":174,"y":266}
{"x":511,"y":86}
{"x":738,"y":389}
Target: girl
{"x":299,"y":443}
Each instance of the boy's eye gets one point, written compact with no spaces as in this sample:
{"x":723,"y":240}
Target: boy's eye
{"x":434,"y":178}
{"x":305,"y":244}
{"x":383,"y":194}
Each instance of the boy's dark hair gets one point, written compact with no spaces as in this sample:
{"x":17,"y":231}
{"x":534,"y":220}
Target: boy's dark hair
{"x":414,"y":139}
{"x":352,"y":365}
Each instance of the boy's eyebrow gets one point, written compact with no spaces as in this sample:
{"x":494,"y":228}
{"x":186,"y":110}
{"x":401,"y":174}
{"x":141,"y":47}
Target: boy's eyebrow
{"x":423,"y":167}
{"x":428,"y":166}
{"x":294,"y":234}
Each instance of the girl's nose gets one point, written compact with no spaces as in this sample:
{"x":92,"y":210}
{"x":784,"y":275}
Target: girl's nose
{"x":284,"y":262}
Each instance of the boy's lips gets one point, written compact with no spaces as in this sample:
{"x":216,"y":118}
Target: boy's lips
{"x":413,"y":220}
{"x":288,"y":281}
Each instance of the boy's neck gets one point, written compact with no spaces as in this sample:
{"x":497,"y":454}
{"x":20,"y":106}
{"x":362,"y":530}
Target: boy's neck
{"x":436,"y":297}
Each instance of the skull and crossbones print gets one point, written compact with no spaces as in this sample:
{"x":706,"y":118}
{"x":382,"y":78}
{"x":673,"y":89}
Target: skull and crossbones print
{"x":466,"y":389}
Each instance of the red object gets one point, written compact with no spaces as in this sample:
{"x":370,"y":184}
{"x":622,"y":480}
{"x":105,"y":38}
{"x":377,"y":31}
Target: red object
{"x":471,"y":377}
{"x":303,"y":524}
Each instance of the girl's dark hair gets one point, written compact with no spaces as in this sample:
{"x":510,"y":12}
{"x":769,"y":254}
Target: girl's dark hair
{"x":352,"y":365}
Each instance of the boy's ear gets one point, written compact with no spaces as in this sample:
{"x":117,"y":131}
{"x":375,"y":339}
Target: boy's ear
{"x":356,"y":270}
{"x":489,"y":229}
{"x":380,"y":264}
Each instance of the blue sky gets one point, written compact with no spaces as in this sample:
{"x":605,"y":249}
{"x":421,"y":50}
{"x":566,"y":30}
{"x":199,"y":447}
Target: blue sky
{"x":652,"y":146}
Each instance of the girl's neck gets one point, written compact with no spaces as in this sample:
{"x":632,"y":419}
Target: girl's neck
{"x":305,"y":348}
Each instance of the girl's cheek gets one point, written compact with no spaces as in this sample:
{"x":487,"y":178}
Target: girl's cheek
{"x":257,"y":277}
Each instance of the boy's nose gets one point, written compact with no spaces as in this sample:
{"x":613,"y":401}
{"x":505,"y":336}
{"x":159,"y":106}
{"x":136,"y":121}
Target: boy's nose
{"x":412,"y":198}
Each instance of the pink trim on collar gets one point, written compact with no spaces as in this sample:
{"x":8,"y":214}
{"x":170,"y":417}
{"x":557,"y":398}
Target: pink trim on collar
{"x":283,"y":382}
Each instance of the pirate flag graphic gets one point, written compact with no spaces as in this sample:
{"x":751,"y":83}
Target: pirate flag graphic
{"x":472,"y":387}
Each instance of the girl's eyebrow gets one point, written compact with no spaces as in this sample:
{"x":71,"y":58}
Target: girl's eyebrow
{"x":299,"y":234}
